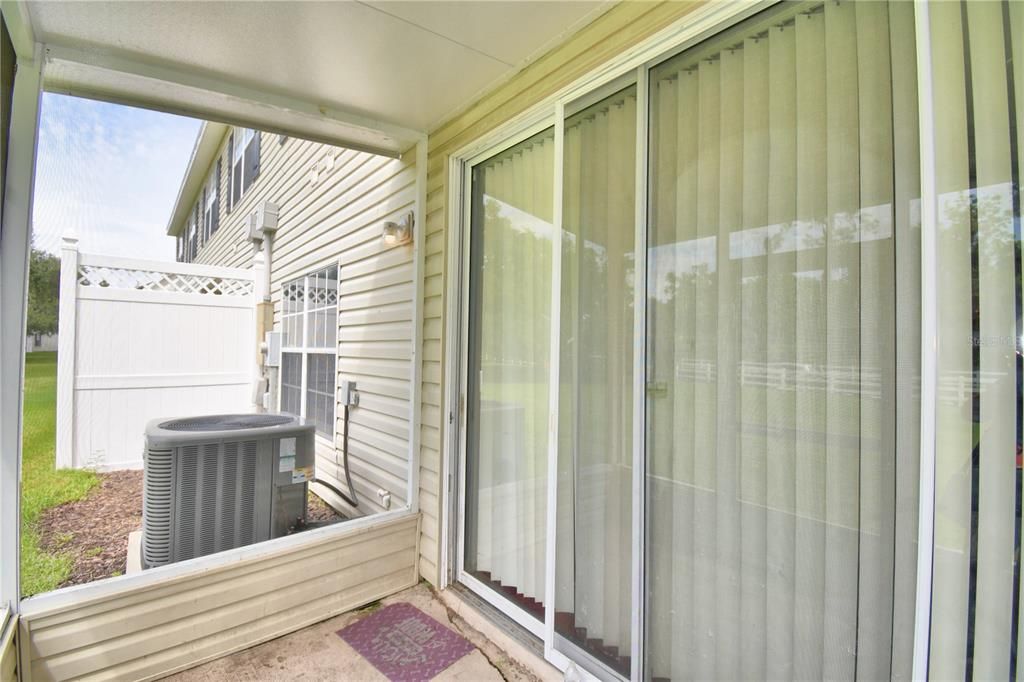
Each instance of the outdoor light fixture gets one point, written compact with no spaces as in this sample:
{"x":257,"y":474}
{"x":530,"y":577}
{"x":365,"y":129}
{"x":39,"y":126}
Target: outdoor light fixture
{"x":399,"y":233}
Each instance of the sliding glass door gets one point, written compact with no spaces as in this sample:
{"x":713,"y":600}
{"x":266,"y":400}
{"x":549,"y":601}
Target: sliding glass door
{"x":593,"y":612}
{"x":978,"y":62}
{"x":692,"y":359}
{"x":508,"y":376}
{"x":782,"y":328}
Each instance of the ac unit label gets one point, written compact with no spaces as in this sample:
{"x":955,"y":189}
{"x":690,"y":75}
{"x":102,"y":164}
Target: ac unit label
{"x":286,"y":461}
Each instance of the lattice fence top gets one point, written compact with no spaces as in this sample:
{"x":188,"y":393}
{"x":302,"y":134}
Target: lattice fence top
{"x":154,"y":280}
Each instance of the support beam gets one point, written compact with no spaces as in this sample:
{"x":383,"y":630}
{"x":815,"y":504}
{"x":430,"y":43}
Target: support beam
{"x":19,"y":25}
{"x":67,"y":324}
{"x":419,"y":259}
{"x":137,"y":83}
{"x":14,"y":252}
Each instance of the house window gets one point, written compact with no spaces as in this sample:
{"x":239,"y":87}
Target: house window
{"x":244,"y":147}
{"x":309,"y":324}
{"x":191,"y":246}
{"x":211,"y":204}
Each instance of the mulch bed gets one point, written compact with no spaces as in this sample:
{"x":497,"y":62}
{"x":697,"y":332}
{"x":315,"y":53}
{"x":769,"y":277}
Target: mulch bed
{"x":95,"y":530}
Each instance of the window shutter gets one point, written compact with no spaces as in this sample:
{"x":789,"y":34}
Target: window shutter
{"x":251,"y":158}
{"x":231,"y":172}
{"x":216,"y":199}
{"x":256,"y":135}
{"x":201,"y":211}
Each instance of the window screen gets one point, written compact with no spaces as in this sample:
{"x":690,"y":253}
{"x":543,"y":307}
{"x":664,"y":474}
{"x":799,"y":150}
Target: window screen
{"x":291,"y":383}
{"x":309,"y":325}
{"x":320,"y":391}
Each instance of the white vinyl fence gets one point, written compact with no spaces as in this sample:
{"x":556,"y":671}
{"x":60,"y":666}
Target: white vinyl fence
{"x":140,"y":340}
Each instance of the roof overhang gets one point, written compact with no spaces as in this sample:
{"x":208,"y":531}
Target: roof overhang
{"x":378,"y":66}
{"x":93,"y":74}
{"x":203,"y":153}
{"x":371,"y":75}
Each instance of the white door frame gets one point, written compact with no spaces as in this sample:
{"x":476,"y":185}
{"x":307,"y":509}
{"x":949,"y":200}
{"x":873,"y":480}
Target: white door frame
{"x":465,"y":168}
{"x":684,"y":33}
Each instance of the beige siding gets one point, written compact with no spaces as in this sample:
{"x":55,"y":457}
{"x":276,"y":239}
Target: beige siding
{"x":8,"y":649}
{"x":337,"y":219}
{"x":150,"y":631}
{"x":618,"y":29}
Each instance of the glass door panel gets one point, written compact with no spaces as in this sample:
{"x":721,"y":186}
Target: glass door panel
{"x":595,"y":431}
{"x":978,"y":98}
{"x":783,"y":180}
{"x":508,"y":373}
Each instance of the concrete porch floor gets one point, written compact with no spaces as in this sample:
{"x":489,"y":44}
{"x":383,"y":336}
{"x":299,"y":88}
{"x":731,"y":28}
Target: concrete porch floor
{"x":318,"y":653}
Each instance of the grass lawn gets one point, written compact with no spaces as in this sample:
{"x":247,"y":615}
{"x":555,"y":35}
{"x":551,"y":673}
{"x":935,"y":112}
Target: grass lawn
{"x":42,"y":485}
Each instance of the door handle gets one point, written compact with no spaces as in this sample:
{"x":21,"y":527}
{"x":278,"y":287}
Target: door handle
{"x":657,"y":389}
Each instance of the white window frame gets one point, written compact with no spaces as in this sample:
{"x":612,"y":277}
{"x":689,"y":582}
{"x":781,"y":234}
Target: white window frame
{"x":305,"y":350}
{"x":242,"y":138}
{"x":211,"y":203}
{"x":191,"y":238}
{"x":696,"y":26}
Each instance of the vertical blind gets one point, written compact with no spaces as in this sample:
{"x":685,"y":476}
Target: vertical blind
{"x":508,"y":370}
{"x":978,"y":63}
{"x":595,"y":436}
{"x":781,"y":331}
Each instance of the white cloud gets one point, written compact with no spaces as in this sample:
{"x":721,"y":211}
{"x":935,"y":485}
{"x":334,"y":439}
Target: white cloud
{"x":110,"y":174}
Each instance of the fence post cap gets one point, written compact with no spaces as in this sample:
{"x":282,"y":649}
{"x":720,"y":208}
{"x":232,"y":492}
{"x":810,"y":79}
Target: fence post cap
{"x":69,"y":240}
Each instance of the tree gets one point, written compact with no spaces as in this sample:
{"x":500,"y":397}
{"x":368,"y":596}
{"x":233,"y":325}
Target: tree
{"x":43,"y":287}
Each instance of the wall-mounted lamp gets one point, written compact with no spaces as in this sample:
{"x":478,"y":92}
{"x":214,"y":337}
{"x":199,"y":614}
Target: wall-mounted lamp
{"x":399,"y":233}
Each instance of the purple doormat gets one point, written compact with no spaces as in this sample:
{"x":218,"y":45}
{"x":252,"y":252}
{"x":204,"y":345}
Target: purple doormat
{"x":404,"y":643}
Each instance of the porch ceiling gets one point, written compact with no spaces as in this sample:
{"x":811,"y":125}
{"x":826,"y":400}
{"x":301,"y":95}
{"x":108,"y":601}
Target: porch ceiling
{"x":409,"y":64}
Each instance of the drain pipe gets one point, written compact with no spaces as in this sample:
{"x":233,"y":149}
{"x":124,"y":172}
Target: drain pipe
{"x":265,"y":324}
{"x":349,"y":398}
{"x":268,"y":259}
{"x":262,"y":226}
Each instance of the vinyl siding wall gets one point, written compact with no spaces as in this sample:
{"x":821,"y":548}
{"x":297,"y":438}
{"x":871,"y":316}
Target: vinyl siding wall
{"x":149,"y":631}
{"x":610,"y":34}
{"x":337,"y":218}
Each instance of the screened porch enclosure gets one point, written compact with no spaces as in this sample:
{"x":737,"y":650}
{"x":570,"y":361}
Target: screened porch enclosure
{"x":772,"y":351}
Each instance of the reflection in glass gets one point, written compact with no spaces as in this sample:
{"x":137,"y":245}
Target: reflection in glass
{"x":595,"y":435}
{"x":508,"y":372}
{"x":978,"y":61}
{"x":784,"y":335}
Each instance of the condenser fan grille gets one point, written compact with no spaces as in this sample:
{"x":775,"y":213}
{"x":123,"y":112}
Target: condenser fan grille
{"x":225,"y":422}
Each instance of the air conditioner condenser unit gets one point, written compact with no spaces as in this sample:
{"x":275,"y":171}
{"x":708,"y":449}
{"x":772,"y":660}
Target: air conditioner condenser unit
{"x":221,"y":481}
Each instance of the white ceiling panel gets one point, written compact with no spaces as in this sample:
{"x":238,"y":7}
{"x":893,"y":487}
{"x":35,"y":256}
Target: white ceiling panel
{"x":490,"y":27}
{"x":406,"y":63}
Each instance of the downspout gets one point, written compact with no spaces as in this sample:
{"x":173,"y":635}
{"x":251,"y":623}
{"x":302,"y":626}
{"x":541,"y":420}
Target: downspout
{"x":262,"y":224}
{"x":266,"y":314}
{"x":268,"y":252}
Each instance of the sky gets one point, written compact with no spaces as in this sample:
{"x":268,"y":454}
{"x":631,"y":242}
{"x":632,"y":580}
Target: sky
{"x":110,"y":174}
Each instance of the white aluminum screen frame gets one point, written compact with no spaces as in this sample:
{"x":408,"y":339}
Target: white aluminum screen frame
{"x":183,"y":92}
